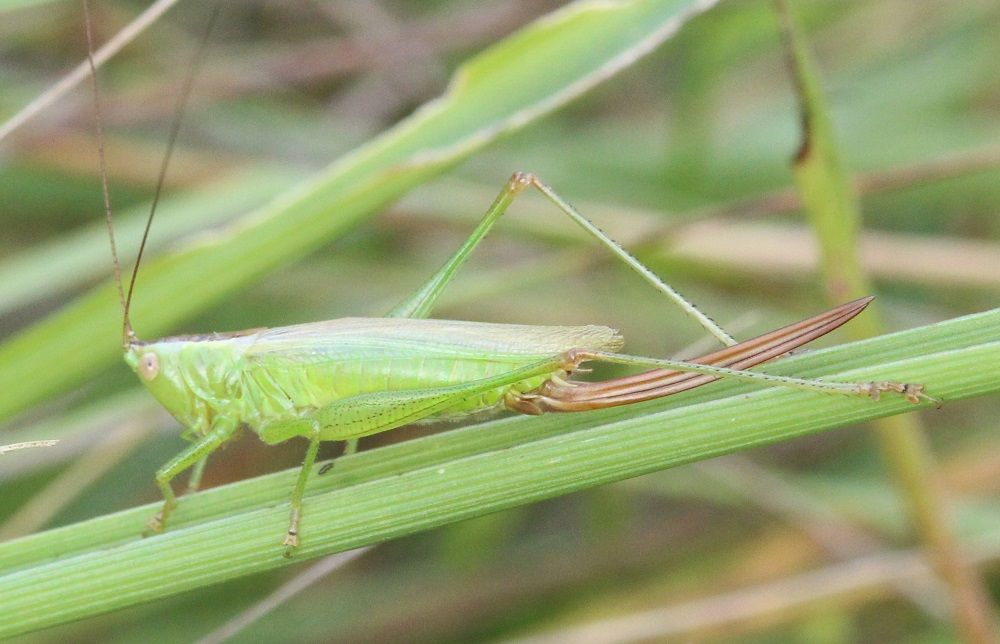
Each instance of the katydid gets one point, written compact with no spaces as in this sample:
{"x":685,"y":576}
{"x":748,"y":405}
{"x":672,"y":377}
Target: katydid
{"x":344,"y":379}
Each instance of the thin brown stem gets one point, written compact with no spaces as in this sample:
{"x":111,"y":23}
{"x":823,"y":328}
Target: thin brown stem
{"x":81,"y":71}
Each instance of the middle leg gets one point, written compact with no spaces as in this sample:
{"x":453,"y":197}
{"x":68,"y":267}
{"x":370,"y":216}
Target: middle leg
{"x":295,"y":512}
{"x":221,"y":431}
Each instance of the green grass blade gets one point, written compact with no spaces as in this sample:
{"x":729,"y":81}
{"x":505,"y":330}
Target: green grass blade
{"x":100,"y":565}
{"x":504,"y":88}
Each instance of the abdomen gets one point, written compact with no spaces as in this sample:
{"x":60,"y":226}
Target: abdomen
{"x":294,"y":370}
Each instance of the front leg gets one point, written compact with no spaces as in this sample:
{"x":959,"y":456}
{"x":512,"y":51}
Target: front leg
{"x":222,"y":430}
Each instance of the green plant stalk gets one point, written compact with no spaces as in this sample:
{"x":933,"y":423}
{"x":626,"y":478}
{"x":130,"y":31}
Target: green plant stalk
{"x":515,"y":82}
{"x":830,"y":204}
{"x":101,"y":565}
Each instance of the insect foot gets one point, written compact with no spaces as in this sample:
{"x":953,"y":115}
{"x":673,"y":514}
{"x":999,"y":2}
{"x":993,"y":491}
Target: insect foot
{"x":155,"y":524}
{"x":291,"y":541}
{"x":913,"y":393}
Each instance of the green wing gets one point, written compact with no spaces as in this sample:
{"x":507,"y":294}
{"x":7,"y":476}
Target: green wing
{"x":319,"y":342}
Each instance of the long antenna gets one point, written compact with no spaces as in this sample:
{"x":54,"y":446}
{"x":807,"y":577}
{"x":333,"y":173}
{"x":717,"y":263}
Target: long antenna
{"x":127,"y":333}
{"x":174,"y":130}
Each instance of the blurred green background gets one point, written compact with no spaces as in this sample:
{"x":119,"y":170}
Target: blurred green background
{"x":687,"y":151}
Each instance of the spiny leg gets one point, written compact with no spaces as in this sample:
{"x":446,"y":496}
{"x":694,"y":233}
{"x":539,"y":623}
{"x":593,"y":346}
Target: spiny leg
{"x":912,"y":392}
{"x":675,"y":376}
{"x":221,"y":431}
{"x":421,"y":302}
{"x":631,"y":261}
{"x":292,"y":536}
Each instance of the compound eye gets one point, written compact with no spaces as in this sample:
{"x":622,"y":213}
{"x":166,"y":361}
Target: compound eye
{"x":149,"y":366}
